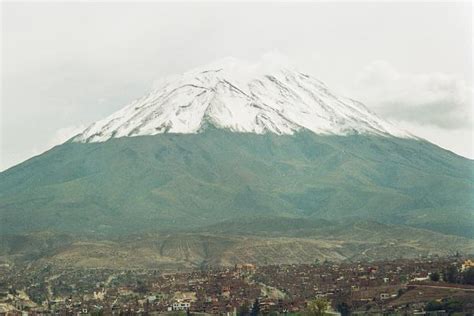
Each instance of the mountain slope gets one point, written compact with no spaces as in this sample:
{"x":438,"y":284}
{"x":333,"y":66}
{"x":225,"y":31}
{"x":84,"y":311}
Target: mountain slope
{"x":171,"y":181}
{"x":251,"y":240}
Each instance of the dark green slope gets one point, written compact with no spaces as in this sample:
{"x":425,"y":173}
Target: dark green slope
{"x":185,"y":181}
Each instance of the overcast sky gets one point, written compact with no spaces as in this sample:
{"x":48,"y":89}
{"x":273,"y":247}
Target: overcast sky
{"x":65,"y":65}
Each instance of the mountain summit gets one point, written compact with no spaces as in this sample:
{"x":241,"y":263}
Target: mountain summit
{"x":240,"y":97}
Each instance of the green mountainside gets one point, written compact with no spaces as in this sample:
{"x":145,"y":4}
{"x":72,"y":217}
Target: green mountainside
{"x":185,"y":182}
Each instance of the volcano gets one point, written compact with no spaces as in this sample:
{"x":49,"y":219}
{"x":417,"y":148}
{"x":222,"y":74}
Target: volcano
{"x":234,"y":145}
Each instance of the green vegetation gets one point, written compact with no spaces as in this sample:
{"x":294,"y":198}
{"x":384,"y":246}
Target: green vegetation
{"x":317,"y":307}
{"x":344,"y":309}
{"x":468,"y":276}
{"x":255,"y":308}
{"x":186,"y":182}
{"x":243,"y":310}
{"x":434,"y":276}
{"x":452,"y":274}
{"x":448,"y":305}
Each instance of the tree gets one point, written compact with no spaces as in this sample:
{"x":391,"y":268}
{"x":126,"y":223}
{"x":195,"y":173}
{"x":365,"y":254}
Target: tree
{"x":433,"y":306}
{"x":452,"y":306}
{"x":255,"y":308}
{"x":317,"y":307}
{"x":451,"y":274}
{"x":434,"y":276}
{"x":147,"y":306}
{"x":344,"y":309}
{"x":468,"y":276}
{"x":141,"y":287}
{"x":449,"y":306}
{"x":243,"y":309}
{"x":400,"y":292}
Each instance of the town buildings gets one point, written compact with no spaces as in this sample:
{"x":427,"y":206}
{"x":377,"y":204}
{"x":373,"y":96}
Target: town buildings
{"x":399,"y":285}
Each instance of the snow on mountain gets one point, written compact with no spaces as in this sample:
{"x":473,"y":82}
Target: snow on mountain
{"x":241,"y":97}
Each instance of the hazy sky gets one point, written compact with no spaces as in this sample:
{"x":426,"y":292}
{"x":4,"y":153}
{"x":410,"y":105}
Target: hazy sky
{"x":65,"y":65}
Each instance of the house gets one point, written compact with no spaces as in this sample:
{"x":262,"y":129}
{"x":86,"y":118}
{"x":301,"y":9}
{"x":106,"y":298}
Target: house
{"x":184,"y":296}
{"x":420,"y":279}
{"x":181,"y":305}
{"x":467,"y":264}
{"x":246,"y":267}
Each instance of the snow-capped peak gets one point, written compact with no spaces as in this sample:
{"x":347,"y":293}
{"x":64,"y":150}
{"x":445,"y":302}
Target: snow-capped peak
{"x":241,"y":97}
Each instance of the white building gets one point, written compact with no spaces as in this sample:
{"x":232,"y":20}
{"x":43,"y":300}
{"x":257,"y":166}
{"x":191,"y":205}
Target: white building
{"x":181,"y":305}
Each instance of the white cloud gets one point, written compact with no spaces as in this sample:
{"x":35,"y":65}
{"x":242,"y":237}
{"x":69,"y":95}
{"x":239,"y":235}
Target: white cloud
{"x":64,"y":134}
{"x":436,"y":99}
{"x":242,"y":69}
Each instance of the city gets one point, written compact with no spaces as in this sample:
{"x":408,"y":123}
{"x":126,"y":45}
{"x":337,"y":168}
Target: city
{"x":403,"y":286}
